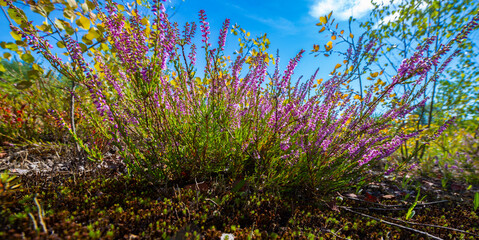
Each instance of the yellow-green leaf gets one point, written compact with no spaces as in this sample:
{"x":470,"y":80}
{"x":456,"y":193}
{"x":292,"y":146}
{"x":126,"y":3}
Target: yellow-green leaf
{"x":11,"y":46}
{"x":69,"y":14}
{"x":145,"y":21}
{"x":329,"y":15}
{"x":47,"y":6}
{"x":121,"y":7}
{"x":3,"y":3}
{"x":83,"y":22}
{"x":83,"y":47}
{"x":16,"y":15}
{"x":104,"y":47}
{"x":92,"y":34}
{"x":323,"y":20}
{"x":2,"y":69}
{"x":91,"y":5}
{"x":44,"y":28}
{"x":23,"y":85}
{"x":374,"y":74}
{"x":86,"y":40}
{"x":16,"y":36}
{"x":72,"y":3}
{"x":380,"y":82}
{"x":84,"y":7}
{"x":92,"y":17}
{"x":59,"y":24}
{"x":60,"y":44}
{"x":328,"y":46}
{"x":70,"y":30}
{"x":34,"y":74}
{"x":27,"y":57}
{"x":40,"y":9}
{"x":36,"y":67}
{"x":7,"y":56}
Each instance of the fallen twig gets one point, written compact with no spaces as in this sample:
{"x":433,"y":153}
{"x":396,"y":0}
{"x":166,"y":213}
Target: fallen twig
{"x":390,"y":223}
{"x":336,"y":235}
{"x":381,"y":209}
{"x":436,"y":226}
{"x":397,"y":205}
{"x":40,"y":214}
{"x":208,"y":199}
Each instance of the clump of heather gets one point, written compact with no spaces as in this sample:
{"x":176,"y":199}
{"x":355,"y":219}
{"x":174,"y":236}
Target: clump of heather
{"x":171,"y":122}
{"x":454,"y":161}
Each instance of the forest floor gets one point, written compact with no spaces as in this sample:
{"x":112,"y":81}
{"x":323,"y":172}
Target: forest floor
{"x":61,"y":197}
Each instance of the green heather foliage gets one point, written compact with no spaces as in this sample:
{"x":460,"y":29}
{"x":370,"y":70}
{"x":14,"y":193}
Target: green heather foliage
{"x":26,"y":96}
{"x":476,"y":201}
{"x":31,"y":103}
{"x":169,"y":122}
{"x":400,"y":25}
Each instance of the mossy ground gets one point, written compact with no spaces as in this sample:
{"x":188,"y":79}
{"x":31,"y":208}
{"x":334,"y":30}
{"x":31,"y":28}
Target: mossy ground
{"x":107,"y":204}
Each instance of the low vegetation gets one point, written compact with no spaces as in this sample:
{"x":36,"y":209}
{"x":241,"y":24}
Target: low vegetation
{"x":126,"y":139}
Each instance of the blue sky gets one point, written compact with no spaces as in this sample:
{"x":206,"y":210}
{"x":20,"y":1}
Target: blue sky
{"x":290,"y":25}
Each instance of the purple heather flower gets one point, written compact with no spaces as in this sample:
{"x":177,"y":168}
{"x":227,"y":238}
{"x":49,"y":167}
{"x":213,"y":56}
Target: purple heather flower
{"x":413,"y":166}
{"x":390,"y":170}
{"x":290,"y":69}
{"x":325,"y":144}
{"x":223,"y":32}
{"x":369,"y":45}
{"x":205,"y":28}
{"x":370,"y":155}
{"x":76,"y":54}
{"x":442,"y":128}
{"x":189,"y":32}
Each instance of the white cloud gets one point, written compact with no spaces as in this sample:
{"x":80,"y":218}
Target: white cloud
{"x":343,"y":9}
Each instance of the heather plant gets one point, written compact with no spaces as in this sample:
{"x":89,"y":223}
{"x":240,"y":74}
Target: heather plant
{"x":169,"y":122}
{"x":51,"y":93}
{"x":401,"y":24}
{"x":33,"y":104}
{"x":27,"y":94}
{"x":380,"y":48}
{"x":455,"y":154}
{"x":476,"y":201}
